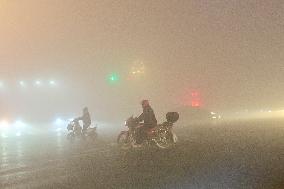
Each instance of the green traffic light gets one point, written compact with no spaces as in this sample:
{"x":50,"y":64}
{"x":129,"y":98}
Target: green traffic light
{"x":113,"y":78}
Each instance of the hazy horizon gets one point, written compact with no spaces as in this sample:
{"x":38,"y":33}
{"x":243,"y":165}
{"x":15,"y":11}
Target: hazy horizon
{"x":231,"y":52}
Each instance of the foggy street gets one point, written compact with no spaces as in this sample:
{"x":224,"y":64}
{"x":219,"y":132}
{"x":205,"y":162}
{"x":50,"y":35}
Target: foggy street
{"x":236,"y":155}
{"x":142,"y":94}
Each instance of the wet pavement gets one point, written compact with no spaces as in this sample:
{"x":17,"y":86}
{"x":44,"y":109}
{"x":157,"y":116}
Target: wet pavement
{"x":238,"y":155}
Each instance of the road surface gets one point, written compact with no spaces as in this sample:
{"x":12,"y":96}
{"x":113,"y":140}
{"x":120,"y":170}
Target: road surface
{"x":236,"y":155}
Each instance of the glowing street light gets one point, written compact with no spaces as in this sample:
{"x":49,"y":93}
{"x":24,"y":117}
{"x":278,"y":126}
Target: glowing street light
{"x":138,"y":68}
{"x":4,"y":124}
{"x":59,"y":122}
{"x":18,"y":134}
{"x":19,"y":124}
{"x":22,"y":83}
{"x":52,"y":82}
{"x":37,"y":82}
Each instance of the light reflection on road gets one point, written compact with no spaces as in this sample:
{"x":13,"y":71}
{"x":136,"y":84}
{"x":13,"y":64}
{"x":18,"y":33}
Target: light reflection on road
{"x":23,"y":151}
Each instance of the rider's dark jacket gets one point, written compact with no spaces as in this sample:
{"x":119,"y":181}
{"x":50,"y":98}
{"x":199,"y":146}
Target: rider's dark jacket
{"x":148,"y":116}
{"x":86,"y":118}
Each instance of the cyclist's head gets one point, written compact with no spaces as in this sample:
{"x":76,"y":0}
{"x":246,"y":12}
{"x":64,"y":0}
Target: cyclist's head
{"x":145,"y":103}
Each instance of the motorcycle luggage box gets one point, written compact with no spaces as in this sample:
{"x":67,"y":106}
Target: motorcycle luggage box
{"x":172,"y":116}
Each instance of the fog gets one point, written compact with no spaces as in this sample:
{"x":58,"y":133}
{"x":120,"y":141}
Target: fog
{"x":231,"y":52}
{"x":216,"y":66}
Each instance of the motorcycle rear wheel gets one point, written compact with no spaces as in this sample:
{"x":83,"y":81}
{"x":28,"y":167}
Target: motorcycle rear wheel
{"x":163,"y":141}
{"x":71,"y":137}
{"x":94,"y":136}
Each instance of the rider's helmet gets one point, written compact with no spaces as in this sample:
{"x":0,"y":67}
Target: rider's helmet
{"x":145,"y":103}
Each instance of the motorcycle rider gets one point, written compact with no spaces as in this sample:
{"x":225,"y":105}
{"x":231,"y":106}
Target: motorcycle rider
{"x":86,"y":118}
{"x":149,"y":121}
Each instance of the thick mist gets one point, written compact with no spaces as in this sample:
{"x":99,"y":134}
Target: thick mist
{"x":228,"y":51}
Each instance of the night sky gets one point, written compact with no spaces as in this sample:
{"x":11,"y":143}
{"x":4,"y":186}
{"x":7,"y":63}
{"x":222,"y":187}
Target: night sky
{"x":230,"y":51}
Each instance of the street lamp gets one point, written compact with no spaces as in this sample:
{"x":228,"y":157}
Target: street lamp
{"x":37,"y":82}
{"x":52,"y":83}
{"x":138,"y":68}
{"x":22,"y":83}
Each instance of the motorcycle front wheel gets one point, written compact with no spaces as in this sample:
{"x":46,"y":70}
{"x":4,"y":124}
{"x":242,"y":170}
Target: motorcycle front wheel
{"x":123,"y":140}
{"x":71,"y":137}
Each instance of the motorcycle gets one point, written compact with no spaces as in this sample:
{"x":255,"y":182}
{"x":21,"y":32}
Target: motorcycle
{"x":161,"y":136}
{"x":76,"y":131}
